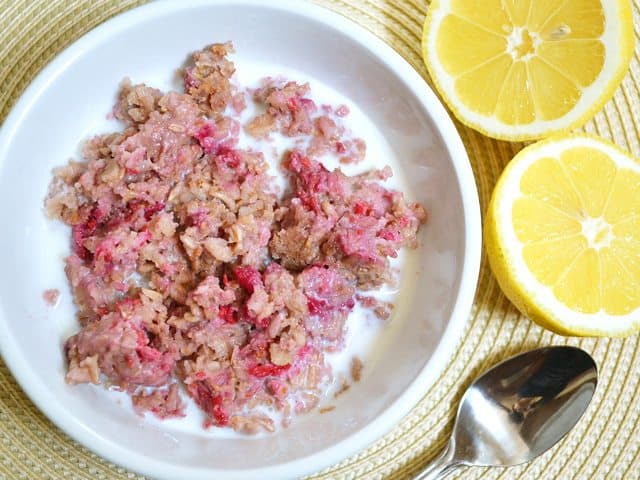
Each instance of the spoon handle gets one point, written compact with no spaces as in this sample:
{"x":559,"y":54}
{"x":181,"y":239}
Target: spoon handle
{"x":439,"y":466}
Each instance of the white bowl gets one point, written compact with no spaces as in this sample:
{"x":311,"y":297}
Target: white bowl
{"x":67,"y":102}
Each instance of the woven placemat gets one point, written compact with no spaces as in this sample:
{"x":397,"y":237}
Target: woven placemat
{"x":604,"y":445}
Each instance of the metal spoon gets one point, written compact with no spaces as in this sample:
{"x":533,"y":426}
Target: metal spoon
{"x":518,"y":409}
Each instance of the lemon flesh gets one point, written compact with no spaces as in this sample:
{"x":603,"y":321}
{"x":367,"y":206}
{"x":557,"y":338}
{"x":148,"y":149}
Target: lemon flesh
{"x":563,"y":236}
{"x":524,"y":69}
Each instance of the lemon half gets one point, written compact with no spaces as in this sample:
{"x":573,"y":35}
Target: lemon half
{"x":527,"y":69}
{"x":562,"y":234}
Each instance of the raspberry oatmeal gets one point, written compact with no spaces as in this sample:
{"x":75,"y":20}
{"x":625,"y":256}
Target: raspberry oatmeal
{"x":194,"y":273}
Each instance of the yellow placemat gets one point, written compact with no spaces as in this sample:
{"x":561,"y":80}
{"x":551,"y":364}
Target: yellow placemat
{"x":604,"y":445}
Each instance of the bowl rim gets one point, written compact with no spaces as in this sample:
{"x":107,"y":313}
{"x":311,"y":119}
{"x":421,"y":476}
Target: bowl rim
{"x":424,"y":380}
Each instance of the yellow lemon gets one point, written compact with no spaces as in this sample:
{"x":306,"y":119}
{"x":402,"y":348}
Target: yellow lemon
{"x":562,"y":235}
{"x":526,"y":69}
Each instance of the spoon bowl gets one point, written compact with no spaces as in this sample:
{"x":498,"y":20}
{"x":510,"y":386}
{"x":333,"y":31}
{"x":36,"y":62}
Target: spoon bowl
{"x":519,"y":409}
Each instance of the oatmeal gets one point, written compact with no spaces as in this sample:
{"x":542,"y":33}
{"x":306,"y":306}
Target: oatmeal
{"x":193,"y":274}
{"x":356,"y":369}
{"x":51,"y":296}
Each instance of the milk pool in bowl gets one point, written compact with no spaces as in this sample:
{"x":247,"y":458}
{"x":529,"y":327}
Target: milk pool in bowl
{"x":365,"y":333}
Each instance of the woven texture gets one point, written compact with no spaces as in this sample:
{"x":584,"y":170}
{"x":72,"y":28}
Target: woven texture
{"x":604,"y":445}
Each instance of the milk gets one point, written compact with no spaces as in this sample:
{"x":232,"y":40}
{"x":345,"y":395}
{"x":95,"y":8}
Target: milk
{"x":365,"y":332}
